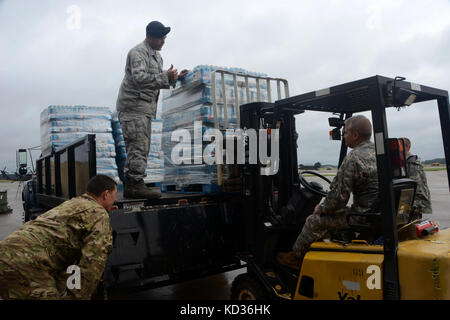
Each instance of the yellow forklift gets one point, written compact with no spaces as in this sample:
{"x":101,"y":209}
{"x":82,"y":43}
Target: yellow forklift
{"x":394,"y":255}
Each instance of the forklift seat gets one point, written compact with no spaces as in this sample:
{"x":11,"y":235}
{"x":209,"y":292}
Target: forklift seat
{"x":371,"y":229}
{"x":367,"y":228}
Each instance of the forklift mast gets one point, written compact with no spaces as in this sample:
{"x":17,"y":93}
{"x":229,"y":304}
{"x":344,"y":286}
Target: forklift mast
{"x":373,"y":94}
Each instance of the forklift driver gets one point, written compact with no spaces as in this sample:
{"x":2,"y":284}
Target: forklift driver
{"x":357,"y":175}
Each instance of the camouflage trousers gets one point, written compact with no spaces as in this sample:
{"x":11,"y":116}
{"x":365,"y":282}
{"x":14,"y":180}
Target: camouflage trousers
{"x":136,"y":129}
{"x":317,"y":227}
{"x":36,"y":285}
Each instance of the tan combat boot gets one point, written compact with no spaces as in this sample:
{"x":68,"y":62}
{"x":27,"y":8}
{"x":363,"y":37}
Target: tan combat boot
{"x":133,"y":190}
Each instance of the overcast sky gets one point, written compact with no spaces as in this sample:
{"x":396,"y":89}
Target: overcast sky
{"x":46,"y":60}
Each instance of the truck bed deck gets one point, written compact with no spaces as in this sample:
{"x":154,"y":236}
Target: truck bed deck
{"x":51,"y":201}
{"x":166,"y":199}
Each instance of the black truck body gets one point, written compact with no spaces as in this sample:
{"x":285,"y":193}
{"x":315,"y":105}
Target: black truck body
{"x":155,"y":243}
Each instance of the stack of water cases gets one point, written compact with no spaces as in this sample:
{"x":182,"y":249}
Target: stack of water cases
{"x":191,"y":101}
{"x":155,"y":162}
{"x":62,"y":125}
{"x":121,"y":153}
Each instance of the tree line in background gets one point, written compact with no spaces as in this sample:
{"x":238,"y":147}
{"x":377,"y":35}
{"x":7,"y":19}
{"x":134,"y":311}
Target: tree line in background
{"x":318,"y":165}
{"x":434,"y":161}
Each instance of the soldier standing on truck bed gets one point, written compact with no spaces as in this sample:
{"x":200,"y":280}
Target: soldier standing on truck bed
{"x":137,"y":102}
{"x":69,"y":242}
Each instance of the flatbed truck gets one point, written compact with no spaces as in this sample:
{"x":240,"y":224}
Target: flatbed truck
{"x":185,"y":236}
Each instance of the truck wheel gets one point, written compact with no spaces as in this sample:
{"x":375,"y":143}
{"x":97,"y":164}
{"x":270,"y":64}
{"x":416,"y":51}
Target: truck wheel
{"x":246,"y":287}
{"x":32,"y":214}
{"x":26,"y":213}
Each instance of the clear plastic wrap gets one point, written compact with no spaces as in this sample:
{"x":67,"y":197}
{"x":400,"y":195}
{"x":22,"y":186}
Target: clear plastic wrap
{"x":185,"y":117}
{"x":75,"y":113}
{"x":121,"y":154}
{"x":62,"y":125}
{"x":196,"y":89}
{"x":155,"y":161}
{"x":191,"y":101}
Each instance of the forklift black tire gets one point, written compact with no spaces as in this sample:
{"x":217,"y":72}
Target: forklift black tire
{"x":246,"y":287}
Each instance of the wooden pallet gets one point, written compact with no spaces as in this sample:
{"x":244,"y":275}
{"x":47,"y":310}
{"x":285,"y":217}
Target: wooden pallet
{"x":193,"y":188}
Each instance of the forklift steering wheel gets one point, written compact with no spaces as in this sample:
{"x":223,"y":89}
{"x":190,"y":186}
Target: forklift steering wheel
{"x":311,"y":185}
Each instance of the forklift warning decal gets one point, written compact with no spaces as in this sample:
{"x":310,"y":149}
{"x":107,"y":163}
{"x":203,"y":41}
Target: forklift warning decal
{"x":416,"y":87}
{"x":379,"y":142}
{"x":351,"y":285}
{"x":373,"y":282}
{"x":322,"y":92}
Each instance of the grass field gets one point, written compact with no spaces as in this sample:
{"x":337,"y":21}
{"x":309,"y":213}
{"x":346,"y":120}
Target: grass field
{"x":435,"y":168}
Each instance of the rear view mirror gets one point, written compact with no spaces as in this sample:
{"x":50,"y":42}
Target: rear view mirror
{"x":335,"y":134}
{"x":336,"y":122}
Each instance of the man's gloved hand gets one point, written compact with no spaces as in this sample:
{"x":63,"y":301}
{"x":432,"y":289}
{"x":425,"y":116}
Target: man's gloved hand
{"x":182,"y":74}
{"x":172,"y":74}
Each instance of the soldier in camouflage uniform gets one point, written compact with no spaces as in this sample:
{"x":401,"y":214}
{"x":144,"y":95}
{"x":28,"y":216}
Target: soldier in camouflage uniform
{"x":358,"y":175}
{"x":415,"y":172}
{"x":34,"y":260}
{"x":137,"y":102}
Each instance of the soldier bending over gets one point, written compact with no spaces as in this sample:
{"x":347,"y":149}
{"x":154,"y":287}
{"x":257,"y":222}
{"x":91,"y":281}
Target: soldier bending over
{"x":34,"y":260}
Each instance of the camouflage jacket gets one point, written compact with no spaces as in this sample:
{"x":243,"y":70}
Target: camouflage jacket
{"x":358,"y":175}
{"x":77,"y":232}
{"x":143,"y":79}
{"x":416,"y":173}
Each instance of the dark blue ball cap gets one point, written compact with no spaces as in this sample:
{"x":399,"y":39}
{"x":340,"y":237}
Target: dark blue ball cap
{"x":156,"y":29}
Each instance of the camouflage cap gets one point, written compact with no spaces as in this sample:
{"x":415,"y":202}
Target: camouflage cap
{"x":156,"y":29}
